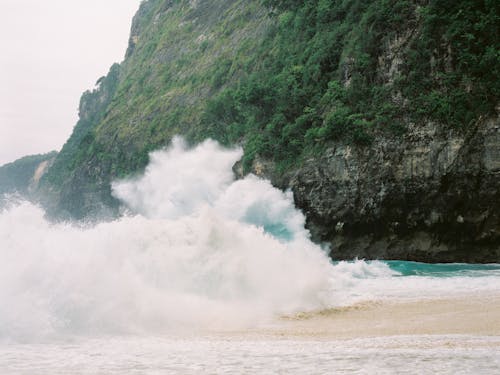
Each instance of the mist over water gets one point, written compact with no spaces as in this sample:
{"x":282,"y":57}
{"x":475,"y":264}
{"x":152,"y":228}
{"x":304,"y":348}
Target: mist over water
{"x":196,"y":250}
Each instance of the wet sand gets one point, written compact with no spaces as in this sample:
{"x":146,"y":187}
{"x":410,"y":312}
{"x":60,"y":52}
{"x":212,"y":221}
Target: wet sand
{"x":473,"y":315}
{"x":441,"y":336}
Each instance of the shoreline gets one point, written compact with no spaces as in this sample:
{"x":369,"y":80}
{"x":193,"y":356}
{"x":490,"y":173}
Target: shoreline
{"x":467,"y":316}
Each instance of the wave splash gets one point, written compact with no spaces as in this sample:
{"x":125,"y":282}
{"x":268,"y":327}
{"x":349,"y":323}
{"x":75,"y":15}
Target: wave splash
{"x":197,"y":250}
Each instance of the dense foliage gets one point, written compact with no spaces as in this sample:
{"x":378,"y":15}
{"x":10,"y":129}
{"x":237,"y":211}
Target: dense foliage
{"x":319,"y":75}
{"x":453,"y":69}
{"x":93,"y":107}
{"x":284,"y":78}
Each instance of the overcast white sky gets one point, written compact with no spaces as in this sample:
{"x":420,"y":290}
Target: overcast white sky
{"x":51,"y":52}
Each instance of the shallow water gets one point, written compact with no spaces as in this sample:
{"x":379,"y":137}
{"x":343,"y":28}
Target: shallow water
{"x":230,"y":355}
{"x":444,"y":269}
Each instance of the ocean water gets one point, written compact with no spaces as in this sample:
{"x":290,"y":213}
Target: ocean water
{"x":208,"y":355}
{"x":196,"y":258}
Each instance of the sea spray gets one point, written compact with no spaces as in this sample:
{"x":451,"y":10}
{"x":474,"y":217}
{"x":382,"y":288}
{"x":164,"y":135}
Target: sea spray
{"x":197,"y":250}
{"x":179,"y":181}
{"x":149,"y":275}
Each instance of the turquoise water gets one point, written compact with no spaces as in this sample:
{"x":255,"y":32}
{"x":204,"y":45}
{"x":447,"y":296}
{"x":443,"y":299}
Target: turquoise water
{"x":444,"y":269}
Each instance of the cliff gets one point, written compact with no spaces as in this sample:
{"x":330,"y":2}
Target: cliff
{"x":180,"y":53}
{"x":429,"y":196}
{"x":380,"y":115}
{"x":22,"y":177}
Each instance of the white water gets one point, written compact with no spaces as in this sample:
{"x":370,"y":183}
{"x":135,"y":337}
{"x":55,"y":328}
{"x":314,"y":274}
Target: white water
{"x":195,"y":252}
{"x":201,"y":251}
{"x":196,"y":256}
{"x":464,"y":355}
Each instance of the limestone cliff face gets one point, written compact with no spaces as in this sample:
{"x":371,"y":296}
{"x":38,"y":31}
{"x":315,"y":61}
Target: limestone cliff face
{"x":428,"y":196}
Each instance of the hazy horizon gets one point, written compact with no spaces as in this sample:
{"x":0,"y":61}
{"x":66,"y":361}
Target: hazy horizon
{"x":52,"y":52}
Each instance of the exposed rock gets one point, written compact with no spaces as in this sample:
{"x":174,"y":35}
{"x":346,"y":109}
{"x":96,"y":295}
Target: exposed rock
{"x":427,"y":197}
{"x":41,"y":169}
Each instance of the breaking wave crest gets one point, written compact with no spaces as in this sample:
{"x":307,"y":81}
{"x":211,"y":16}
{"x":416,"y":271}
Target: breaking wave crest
{"x":197,"y":250}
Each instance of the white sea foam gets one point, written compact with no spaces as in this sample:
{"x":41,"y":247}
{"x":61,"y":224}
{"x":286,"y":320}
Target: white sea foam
{"x":197,"y":250}
{"x":199,"y":253}
{"x":444,"y":355}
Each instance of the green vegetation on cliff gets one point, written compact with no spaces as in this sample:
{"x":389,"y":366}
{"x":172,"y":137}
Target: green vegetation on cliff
{"x":283,"y":78}
{"x":16,"y":177}
{"x":348,"y":69}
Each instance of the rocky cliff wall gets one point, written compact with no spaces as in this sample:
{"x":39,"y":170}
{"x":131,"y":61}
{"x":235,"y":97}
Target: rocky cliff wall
{"x":428,"y":196}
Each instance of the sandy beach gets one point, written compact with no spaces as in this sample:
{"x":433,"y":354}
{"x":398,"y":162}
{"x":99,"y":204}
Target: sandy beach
{"x":440,"y":336}
{"x":471,"y":315}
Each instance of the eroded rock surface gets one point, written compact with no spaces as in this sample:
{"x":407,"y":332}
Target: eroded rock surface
{"x":427,"y":197}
